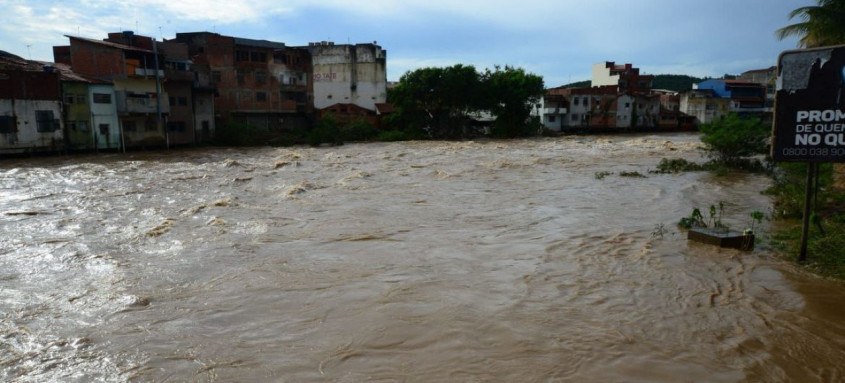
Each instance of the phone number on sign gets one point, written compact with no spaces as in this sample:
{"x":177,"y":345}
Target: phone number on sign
{"x":791,"y":152}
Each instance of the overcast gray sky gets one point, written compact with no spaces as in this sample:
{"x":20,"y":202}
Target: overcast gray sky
{"x":558,"y":40}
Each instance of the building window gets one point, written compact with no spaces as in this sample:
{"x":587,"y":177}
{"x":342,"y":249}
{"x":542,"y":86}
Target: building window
{"x":240,"y":75}
{"x":627,"y":105}
{"x":215,"y":76}
{"x":172,"y":101}
{"x":129,"y":126}
{"x":69,"y":98}
{"x":552,"y":118}
{"x":575,"y":101}
{"x":206,"y":127}
{"x":102,"y":98}
{"x":104,"y":129}
{"x":182,"y":101}
{"x":261,"y":96}
{"x":575,"y":116}
{"x":45,"y":122}
{"x":258,"y":57}
{"x":241,"y":56}
{"x":8,"y":124}
{"x":260,"y":77}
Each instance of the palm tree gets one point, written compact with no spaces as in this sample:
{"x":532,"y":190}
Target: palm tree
{"x":821,"y":25}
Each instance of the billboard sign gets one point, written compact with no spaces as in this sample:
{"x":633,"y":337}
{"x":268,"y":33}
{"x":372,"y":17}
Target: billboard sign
{"x":810,"y":106}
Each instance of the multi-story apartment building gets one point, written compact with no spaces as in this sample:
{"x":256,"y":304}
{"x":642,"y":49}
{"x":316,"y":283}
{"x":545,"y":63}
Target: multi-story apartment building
{"x":180,"y":90}
{"x":626,"y":77}
{"x":552,"y":111}
{"x":766,"y":77}
{"x":703,"y":105}
{"x":744,"y":96}
{"x":133,"y":64}
{"x":30,"y":106}
{"x":257,"y":82}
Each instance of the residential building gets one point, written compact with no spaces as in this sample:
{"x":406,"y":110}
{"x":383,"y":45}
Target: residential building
{"x":552,"y":111}
{"x":744,"y":97}
{"x":88,"y":125}
{"x":766,"y":77}
{"x":181,"y":128}
{"x":704,"y":105}
{"x":626,"y":77}
{"x":135,"y":67}
{"x":348,"y":74}
{"x":257,"y":82}
{"x":30,"y":106}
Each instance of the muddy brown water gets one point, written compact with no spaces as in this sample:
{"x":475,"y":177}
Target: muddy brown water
{"x":418,"y":261}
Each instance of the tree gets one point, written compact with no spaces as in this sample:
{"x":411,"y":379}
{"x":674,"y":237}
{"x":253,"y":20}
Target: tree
{"x":511,"y":92}
{"x":440,"y":100}
{"x":821,"y":25}
{"x":732,"y":138}
{"x":437,"y":99}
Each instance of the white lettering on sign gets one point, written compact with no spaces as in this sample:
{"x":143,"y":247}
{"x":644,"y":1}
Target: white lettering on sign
{"x":830,"y":115}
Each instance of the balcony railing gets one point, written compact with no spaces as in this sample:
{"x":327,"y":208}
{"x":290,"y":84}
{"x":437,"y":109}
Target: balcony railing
{"x":140,"y":103}
{"x":148,"y":72}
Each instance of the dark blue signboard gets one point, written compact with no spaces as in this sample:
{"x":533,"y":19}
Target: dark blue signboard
{"x":810,"y":106}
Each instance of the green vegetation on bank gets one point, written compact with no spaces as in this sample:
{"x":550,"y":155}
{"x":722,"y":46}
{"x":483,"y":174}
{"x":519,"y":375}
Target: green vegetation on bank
{"x":735,"y":144}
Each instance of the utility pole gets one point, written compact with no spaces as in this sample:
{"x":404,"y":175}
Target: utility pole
{"x":158,"y":98}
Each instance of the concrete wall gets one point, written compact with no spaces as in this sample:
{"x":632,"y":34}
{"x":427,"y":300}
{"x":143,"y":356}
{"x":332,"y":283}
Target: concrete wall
{"x":27,"y":137}
{"x":601,"y":76}
{"x":77,"y":115}
{"x":349,"y":74}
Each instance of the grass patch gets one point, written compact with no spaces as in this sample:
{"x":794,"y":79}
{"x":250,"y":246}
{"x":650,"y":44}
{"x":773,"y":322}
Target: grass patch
{"x":825,"y":248}
{"x":601,"y":175}
{"x":634,"y":174}
{"x":676,"y":165}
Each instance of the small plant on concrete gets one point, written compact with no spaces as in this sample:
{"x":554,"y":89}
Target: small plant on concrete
{"x":695,"y":219}
{"x":756,"y":217}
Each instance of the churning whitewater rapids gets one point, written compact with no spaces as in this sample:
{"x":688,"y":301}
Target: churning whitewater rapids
{"x":504,"y":261}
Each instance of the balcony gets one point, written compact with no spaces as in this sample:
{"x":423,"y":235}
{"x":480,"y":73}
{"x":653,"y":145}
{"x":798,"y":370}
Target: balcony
{"x":130,"y":103}
{"x":145,"y":72}
{"x":554,"y":110}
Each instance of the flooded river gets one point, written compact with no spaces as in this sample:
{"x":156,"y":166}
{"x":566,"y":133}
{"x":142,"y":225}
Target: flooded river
{"x":422,"y":261}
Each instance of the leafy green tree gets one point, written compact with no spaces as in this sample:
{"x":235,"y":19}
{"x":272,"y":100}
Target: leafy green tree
{"x":821,"y":24}
{"x":510,"y":93}
{"x":437,"y":99}
{"x":731,"y":138}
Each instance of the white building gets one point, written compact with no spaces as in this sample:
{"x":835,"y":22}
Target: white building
{"x":348,"y":74}
{"x":552,"y":111}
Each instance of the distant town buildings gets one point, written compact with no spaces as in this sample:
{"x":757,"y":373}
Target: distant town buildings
{"x":620,"y":97}
{"x":128,"y":90}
